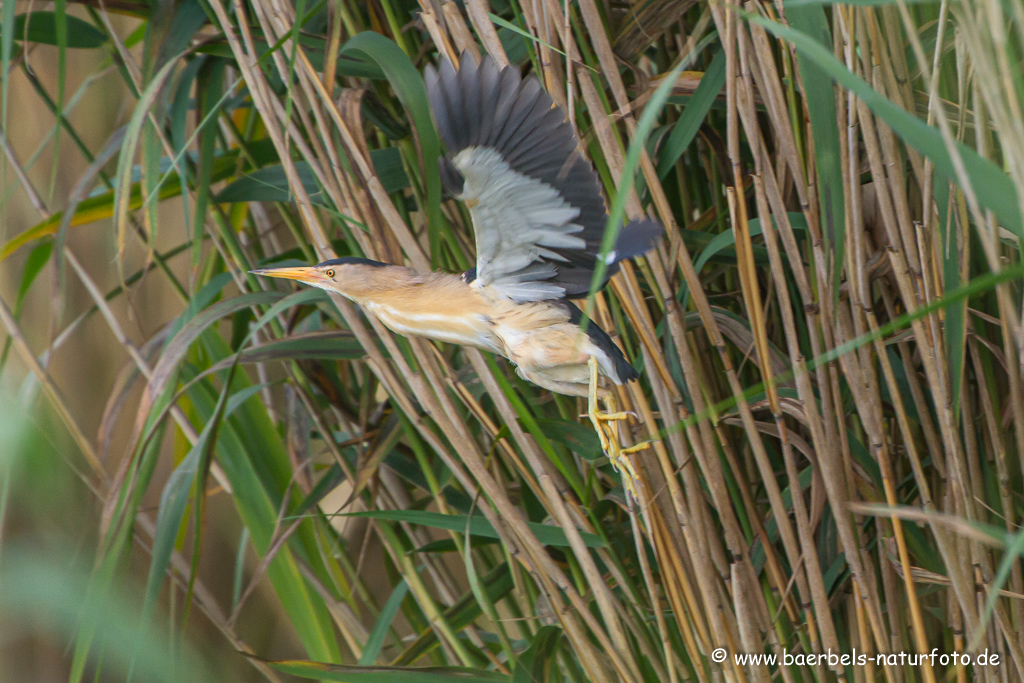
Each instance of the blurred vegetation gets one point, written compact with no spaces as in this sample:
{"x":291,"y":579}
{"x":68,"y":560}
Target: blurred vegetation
{"x":207,"y":476}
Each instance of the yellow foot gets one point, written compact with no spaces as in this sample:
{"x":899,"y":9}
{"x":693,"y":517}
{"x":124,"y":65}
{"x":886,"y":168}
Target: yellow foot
{"x":607,"y":431}
{"x":615,"y":417}
{"x":642,"y":446}
{"x":619,"y":458}
{"x":603,"y":425}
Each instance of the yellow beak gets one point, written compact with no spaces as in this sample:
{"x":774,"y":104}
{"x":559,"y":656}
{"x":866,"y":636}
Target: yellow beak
{"x":306,"y":274}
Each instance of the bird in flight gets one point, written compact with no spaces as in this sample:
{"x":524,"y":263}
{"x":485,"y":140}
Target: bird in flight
{"x":539,"y":218}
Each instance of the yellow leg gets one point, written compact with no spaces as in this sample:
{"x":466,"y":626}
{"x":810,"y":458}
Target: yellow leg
{"x":605,"y":424}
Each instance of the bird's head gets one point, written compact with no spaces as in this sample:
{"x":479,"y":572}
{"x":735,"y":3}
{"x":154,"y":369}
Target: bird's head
{"x":349,"y":276}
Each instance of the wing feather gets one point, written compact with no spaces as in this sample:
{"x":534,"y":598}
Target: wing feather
{"x":508,"y":92}
{"x":453,"y":103}
{"x":490,"y":92}
{"x":536,"y":203}
{"x":469,"y":91}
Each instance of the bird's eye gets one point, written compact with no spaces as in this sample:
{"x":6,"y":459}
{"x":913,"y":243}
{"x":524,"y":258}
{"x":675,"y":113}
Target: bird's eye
{"x":330,"y":273}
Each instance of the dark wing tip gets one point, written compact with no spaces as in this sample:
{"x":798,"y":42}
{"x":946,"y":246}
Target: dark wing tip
{"x":627,"y":373}
{"x":478,"y":104}
{"x":636,"y":238}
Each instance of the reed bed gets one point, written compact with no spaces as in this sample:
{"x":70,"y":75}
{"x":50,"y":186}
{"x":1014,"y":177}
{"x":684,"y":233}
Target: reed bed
{"x":829,"y":335}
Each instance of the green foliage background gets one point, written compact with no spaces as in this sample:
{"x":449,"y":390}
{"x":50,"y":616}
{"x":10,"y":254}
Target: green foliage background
{"x":207,"y":476}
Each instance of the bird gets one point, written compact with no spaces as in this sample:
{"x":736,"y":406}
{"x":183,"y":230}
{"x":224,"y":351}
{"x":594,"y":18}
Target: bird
{"x":539,"y":218}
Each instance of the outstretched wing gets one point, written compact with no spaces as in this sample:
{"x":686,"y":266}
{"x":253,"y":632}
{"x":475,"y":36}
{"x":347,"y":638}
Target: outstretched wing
{"x":536,"y":204}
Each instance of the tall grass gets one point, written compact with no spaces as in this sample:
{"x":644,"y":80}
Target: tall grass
{"x":830,"y":338}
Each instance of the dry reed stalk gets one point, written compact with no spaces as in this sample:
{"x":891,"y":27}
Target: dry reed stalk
{"x":748,"y":531}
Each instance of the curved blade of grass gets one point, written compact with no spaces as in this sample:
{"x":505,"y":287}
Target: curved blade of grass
{"x":254,"y":459}
{"x":42,"y":28}
{"x":189,"y":331}
{"x":685,"y":129}
{"x":270,"y":184}
{"x":580,"y":439}
{"x":525,"y":34}
{"x":478,"y":526}
{"x":327,"y":345}
{"x":408,"y":85}
{"x":37,"y":258}
{"x":209,"y":99}
{"x":1014,"y":553}
{"x":820,"y":97}
{"x":380,"y":629}
{"x":725,"y":240}
{"x":531,"y":666}
{"x":179,"y":345}
{"x":477,"y":588}
{"x":174,"y":499}
{"x":123,"y":188}
{"x":110,"y":149}
{"x":497,"y":584}
{"x":175,"y":495}
{"x":386,"y":674}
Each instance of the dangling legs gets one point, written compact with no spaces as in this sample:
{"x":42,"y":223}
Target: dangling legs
{"x":605,"y":424}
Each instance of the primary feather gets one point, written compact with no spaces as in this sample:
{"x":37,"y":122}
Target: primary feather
{"x":537,"y":208}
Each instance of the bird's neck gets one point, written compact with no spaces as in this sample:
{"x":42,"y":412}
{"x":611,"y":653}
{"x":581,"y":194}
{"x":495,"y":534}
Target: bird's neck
{"x":377,"y":282}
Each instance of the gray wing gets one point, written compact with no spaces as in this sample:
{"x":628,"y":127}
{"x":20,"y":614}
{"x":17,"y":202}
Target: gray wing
{"x":536,"y":205}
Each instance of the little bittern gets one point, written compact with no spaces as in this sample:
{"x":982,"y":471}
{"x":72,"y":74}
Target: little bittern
{"x":539,"y":219}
